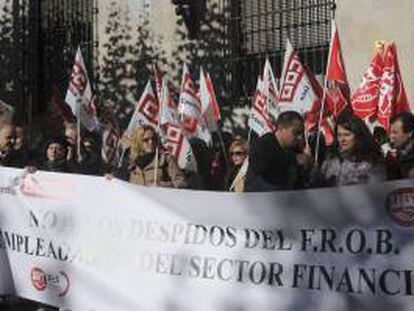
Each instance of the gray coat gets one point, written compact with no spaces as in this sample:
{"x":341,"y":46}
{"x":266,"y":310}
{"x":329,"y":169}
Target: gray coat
{"x":336,"y":171}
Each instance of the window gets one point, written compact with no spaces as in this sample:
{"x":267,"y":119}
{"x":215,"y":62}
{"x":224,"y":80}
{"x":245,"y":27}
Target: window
{"x":259,"y":29}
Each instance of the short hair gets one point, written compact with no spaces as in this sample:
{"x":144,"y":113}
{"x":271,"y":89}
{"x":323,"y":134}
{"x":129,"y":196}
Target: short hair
{"x":407,"y":121}
{"x":286,"y":119}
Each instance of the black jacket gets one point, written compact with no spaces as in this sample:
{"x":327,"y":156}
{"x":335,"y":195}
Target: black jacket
{"x":271,"y":168}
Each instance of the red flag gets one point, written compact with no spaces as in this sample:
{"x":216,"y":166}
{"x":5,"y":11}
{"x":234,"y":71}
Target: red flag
{"x":338,"y":87}
{"x":365,"y":99}
{"x":392,"y":99}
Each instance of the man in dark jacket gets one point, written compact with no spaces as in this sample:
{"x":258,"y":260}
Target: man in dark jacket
{"x":401,"y":163}
{"x":272,"y":160}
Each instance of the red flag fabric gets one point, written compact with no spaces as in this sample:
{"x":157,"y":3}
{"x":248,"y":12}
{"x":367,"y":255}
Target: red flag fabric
{"x":365,"y":99}
{"x":337,"y":81}
{"x":392,"y":99}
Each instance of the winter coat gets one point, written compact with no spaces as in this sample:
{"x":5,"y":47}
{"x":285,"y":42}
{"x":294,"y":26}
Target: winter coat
{"x":271,"y":167}
{"x":168,"y":173}
{"x":337,"y":171}
{"x":400,"y":167}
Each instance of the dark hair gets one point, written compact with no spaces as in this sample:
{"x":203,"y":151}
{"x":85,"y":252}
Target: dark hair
{"x":55,"y":140}
{"x":366,"y":148}
{"x":286,"y":118}
{"x":407,"y":121}
{"x":380,"y":135}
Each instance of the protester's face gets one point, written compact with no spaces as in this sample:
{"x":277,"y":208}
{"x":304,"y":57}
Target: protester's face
{"x":18,"y":137}
{"x":238,"y":155}
{"x":55,"y":152}
{"x":399,"y":139}
{"x":346,"y":139}
{"x":149,"y":142}
{"x":89,"y":145}
{"x":293,"y":135}
{"x":71,"y":136}
{"x":6,"y":137}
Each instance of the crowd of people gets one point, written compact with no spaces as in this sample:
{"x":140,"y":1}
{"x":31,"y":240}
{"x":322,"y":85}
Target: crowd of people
{"x":283,"y":160}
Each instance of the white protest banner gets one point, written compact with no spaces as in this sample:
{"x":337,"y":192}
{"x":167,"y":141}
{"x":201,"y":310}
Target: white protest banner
{"x":86,"y":243}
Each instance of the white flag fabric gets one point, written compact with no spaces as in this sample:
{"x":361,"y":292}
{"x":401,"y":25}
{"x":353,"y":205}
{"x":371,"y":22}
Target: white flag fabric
{"x":208,"y":102}
{"x":271,"y":91}
{"x":6,"y":113}
{"x":301,"y":92}
{"x":189,"y":107}
{"x":146,"y":111}
{"x":296,"y":91}
{"x":79,"y":94}
{"x":172,"y":133}
{"x":260,"y":121}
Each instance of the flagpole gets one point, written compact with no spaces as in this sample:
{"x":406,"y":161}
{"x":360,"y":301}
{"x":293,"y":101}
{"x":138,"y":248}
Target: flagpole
{"x":78,"y":123}
{"x":322,"y":110}
{"x":157,"y":151}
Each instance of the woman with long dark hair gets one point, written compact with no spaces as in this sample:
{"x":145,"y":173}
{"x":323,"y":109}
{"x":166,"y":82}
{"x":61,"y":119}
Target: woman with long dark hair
{"x":355,"y":159}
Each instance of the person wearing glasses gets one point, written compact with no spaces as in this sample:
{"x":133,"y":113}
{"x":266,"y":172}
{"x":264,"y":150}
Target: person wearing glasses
{"x":238,"y":154}
{"x":145,"y":169}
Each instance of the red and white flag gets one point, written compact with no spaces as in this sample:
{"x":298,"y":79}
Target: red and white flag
{"x":260,"y":121}
{"x":79,"y":94}
{"x":208,"y":100}
{"x":337,"y":81}
{"x":6,"y":113}
{"x":190,"y":111}
{"x":271,"y":91}
{"x":365,"y":99}
{"x":392,"y":99}
{"x":146,"y":111}
{"x":173,"y":136}
{"x":301,"y":92}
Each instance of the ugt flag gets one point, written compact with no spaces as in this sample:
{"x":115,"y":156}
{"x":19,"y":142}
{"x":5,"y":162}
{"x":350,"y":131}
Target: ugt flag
{"x":392,"y":99}
{"x":337,"y":81}
{"x":365,"y":99}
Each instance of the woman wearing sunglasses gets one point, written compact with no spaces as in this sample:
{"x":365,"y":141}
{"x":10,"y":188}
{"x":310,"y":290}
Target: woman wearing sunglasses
{"x":145,"y":169}
{"x":238,"y":154}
